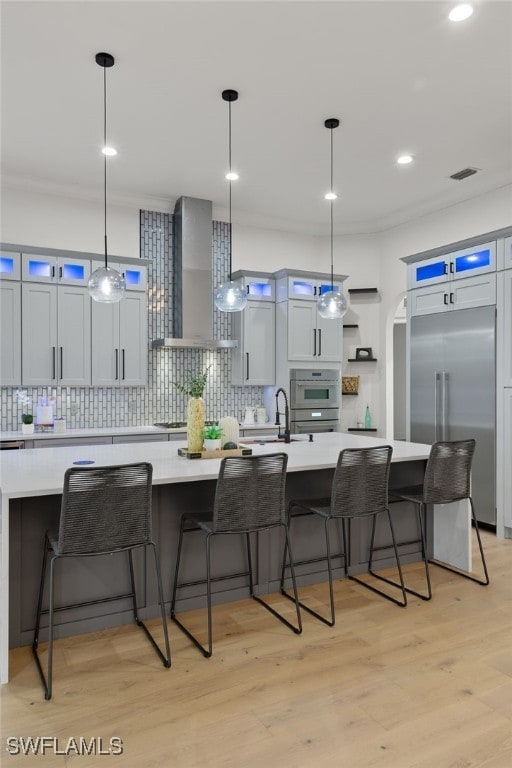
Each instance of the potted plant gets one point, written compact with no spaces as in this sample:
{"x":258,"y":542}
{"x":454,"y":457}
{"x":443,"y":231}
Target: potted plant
{"x":193,"y":386}
{"x":212,"y":438}
{"x":27,"y":419}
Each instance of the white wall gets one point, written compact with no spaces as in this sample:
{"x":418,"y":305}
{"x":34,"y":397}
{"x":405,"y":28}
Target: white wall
{"x":53,"y":220}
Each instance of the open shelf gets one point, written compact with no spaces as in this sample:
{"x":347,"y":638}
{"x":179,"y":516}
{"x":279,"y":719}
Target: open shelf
{"x":350,"y":393}
{"x":363,"y":290}
{"x":362,"y":429}
{"x":362,"y":359}
{"x":350,"y":325}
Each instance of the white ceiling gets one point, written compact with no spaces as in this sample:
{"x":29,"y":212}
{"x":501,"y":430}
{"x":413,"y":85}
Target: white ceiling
{"x":399,"y":75}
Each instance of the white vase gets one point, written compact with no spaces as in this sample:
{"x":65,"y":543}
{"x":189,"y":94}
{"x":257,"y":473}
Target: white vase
{"x":212,"y":445}
{"x":27,"y":429}
{"x":195,"y":424}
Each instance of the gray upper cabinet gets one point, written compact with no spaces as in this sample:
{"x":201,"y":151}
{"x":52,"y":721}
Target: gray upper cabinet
{"x":459,"y":265}
{"x":135,"y":275}
{"x":55,"y":335}
{"x":10,"y":266}
{"x":478,"y":291}
{"x":505,"y":325}
{"x":254,"y":360}
{"x":10,"y":320}
{"x":60,"y":270}
{"x":312,"y":338}
{"x":119,"y":341}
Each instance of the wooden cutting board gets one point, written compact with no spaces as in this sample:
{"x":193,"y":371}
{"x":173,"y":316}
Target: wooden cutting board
{"x":214,"y":454}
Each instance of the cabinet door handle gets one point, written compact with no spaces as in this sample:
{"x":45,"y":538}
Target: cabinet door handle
{"x":53,"y":271}
{"x":445,"y":298}
{"x":247,"y":289}
{"x":247,"y":358}
{"x":122,"y":352}
{"x":61,"y":362}
{"x":60,"y":272}
{"x":314,"y":290}
{"x":451,"y":267}
{"x":314,"y":342}
{"x":117,"y":364}
{"x":451,"y":298}
{"x":319,"y":342}
{"x":445,"y":268}
{"x":53,"y":363}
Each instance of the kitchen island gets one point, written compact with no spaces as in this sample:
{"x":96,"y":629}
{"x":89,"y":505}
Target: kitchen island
{"x":32,"y":481}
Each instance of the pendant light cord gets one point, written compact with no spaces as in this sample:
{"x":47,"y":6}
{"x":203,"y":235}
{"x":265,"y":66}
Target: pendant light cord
{"x":105,"y":156}
{"x":230,"y":183}
{"x":332,"y":215}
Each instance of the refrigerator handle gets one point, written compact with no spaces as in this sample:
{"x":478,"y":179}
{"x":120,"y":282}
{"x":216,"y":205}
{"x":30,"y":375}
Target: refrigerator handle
{"x":437,"y":378}
{"x":445,"y":406}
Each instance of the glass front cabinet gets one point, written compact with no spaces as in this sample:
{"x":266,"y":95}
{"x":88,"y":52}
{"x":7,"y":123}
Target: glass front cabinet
{"x":452,"y":266}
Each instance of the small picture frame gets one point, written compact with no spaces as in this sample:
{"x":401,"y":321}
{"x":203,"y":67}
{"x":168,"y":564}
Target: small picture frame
{"x":364,"y":353}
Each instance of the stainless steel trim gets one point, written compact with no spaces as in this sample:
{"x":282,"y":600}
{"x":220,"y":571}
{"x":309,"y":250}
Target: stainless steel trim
{"x":325,"y":384}
{"x":445,"y":405}
{"x":437,"y":378}
{"x":195,"y":343}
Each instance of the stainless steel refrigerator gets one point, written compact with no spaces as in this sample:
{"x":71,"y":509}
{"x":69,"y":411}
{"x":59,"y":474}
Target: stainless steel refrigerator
{"x":452,"y":390}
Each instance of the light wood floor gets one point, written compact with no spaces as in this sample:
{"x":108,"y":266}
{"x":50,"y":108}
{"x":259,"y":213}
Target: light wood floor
{"x":429,"y":686}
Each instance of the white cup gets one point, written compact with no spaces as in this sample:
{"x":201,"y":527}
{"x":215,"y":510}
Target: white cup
{"x":261,"y":415}
{"x":59,"y":425}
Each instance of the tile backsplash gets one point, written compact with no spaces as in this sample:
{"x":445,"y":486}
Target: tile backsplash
{"x":159,"y":400}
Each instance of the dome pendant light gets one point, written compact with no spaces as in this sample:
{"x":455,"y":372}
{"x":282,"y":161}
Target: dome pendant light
{"x":230,"y":296}
{"x":332,"y":305}
{"x":106,"y":284}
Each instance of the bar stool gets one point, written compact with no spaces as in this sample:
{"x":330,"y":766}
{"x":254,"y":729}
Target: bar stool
{"x":447,"y":479}
{"x":249,"y":497}
{"x":104,"y":510}
{"x":359,"y":489}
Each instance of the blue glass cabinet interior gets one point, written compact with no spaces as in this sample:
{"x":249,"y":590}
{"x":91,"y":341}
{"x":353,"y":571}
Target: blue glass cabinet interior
{"x":476,"y":260}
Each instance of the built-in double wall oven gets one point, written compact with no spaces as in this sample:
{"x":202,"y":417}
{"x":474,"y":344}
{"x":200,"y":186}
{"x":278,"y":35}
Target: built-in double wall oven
{"x":314,"y":400}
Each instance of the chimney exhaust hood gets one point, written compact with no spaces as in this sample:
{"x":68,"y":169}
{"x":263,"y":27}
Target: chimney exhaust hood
{"x":192,"y":296}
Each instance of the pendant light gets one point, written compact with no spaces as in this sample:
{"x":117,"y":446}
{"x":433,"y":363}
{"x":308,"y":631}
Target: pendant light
{"x":230,"y":296}
{"x":332,"y":304}
{"x":106,"y":284}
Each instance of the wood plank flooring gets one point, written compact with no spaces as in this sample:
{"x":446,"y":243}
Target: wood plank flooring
{"x":429,"y":686}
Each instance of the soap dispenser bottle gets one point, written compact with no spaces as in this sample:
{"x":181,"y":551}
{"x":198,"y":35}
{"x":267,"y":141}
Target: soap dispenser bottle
{"x":367,"y":418}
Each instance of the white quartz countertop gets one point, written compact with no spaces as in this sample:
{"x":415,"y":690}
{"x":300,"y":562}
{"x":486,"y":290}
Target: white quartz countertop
{"x":40,"y":471}
{"x":113,"y":431}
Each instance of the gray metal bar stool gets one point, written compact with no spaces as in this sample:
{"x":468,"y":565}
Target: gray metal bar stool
{"x":359,"y":489}
{"x":447,"y":479}
{"x":249,"y":497}
{"x":104,"y":510}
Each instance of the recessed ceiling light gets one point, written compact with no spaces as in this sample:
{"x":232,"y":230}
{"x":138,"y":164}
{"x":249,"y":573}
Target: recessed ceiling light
{"x":461,"y":12}
{"x":330,"y":196}
{"x":109,"y":151}
{"x":404,"y":159}
{"x":232,"y":176}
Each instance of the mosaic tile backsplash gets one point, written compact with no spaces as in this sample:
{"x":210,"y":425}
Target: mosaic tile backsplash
{"x":159,"y":400}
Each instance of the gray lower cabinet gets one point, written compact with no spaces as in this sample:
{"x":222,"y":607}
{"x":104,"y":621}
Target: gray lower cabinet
{"x":163,"y":438}
{"x":254,"y":360}
{"x":66,"y":442}
{"x":119,"y":342}
{"x":56,"y":335}
{"x":10,"y":319}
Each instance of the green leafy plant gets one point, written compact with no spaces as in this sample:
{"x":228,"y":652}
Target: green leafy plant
{"x":213,"y":432}
{"x":194,"y":383}
{"x":27,"y":418}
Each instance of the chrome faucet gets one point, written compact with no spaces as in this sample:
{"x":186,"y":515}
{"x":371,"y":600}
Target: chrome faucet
{"x":286,"y":433}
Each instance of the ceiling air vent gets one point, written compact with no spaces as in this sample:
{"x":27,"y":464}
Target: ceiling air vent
{"x":463,"y":174}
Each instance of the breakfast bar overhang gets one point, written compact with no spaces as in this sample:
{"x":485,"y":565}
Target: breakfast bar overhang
{"x":31,"y":484}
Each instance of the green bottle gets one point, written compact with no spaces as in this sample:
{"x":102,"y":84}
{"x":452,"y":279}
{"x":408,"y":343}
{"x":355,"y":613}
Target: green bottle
{"x":367,"y":418}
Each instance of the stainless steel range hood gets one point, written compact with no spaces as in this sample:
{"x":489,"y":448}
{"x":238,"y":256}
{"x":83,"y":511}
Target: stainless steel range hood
{"x":192,"y":295}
